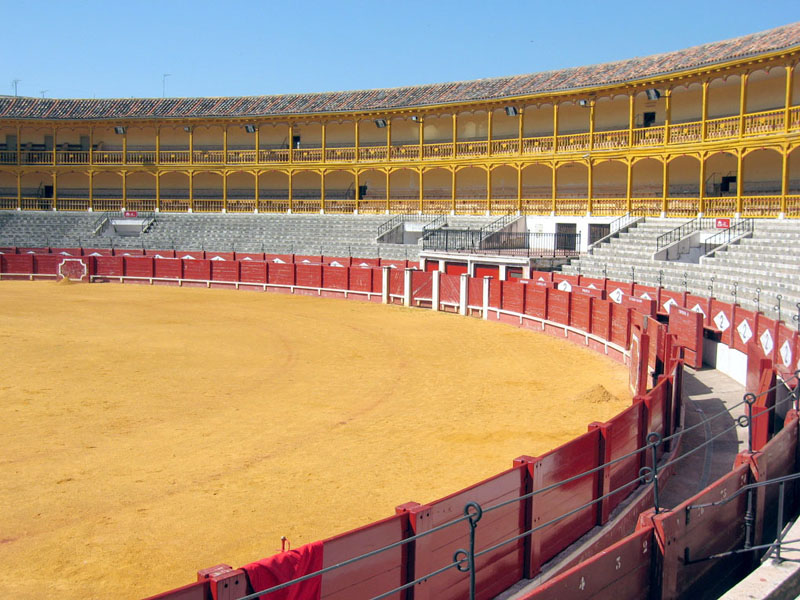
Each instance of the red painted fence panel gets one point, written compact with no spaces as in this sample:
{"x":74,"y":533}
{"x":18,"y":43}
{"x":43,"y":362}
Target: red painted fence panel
{"x":688,"y":326}
{"x":335,"y":277}
{"x":308,"y":275}
{"x":361,"y":279}
{"x":17,"y":263}
{"x":139,"y":266}
{"x":252,"y":271}
{"x":109,"y":266}
{"x":421,"y":285}
{"x":450,"y":289}
{"x":168,"y":268}
{"x":513,"y":296}
{"x":536,"y":300}
{"x":224,"y":270}
{"x":197,"y":269}
{"x":281,"y":273}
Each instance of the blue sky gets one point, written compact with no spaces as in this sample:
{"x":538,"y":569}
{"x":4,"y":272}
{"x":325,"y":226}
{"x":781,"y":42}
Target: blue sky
{"x":113,"y":49}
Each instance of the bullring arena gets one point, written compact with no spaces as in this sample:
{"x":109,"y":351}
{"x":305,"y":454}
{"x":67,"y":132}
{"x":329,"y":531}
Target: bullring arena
{"x":623,"y":236}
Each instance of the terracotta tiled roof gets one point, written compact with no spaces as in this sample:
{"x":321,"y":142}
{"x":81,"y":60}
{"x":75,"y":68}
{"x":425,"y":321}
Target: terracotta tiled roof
{"x":772,"y":40}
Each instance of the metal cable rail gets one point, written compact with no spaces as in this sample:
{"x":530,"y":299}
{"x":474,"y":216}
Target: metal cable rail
{"x":681,"y":232}
{"x":506,"y":243}
{"x":464,"y":560}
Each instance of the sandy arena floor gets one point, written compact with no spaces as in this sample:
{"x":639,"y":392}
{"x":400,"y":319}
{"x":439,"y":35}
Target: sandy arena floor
{"x":150,"y":432}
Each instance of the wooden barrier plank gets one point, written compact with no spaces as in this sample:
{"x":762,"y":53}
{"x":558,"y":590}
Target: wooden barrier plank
{"x":513,"y":296}
{"x":138,"y":266}
{"x":335,"y":277}
{"x":168,"y":268}
{"x":197,"y":269}
{"x":687,"y":325}
{"x":558,"y":306}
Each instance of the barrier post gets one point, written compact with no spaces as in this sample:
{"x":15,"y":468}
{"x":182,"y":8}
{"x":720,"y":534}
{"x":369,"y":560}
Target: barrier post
{"x":435,"y":289}
{"x":407,"y":287}
{"x":486,"y":282}
{"x":463,"y":294}
{"x":385,"y":285}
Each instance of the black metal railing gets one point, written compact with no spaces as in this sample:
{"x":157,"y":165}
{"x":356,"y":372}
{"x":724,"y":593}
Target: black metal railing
{"x":499,"y":224}
{"x":681,"y":232}
{"x":726,"y":236}
{"x":617,"y":225}
{"x":503,"y":243}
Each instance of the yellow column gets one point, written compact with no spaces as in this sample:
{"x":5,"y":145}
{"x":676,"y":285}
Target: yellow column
{"x":191,"y":191}
{"x":591,"y":124}
{"x":322,"y":191}
{"x":665,"y":186}
{"x":589,"y":187}
{"x":667,"y":114}
{"x":125,"y":146}
{"x":258,"y":145}
{"x":519,"y":188}
{"x":784,"y":179}
{"x":358,"y":195}
{"x":388,"y":190}
{"x":324,"y":142}
{"x":489,"y":131}
{"x":520,"y":130}
{"x":555,"y":130}
{"x":488,"y":189}
{"x":629,"y":186}
{"x":91,"y":145}
{"x":19,"y":145}
{"x":704,"y":113}
{"x":191,"y":145}
{"x":158,"y":145}
{"x":455,"y":140}
{"x":702,"y":200}
{"x":124,"y":189}
{"x":91,"y":190}
{"x":55,"y":144}
{"x":255,"y":190}
{"x":388,"y":139}
{"x":554,"y":166}
{"x":421,"y":138}
{"x":453,"y":191}
{"x":158,"y":192}
{"x":55,"y":190}
{"x":225,"y":144}
{"x":225,"y":191}
{"x":742,"y":102}
{"x":788,"y":97}
{"x":291,"y":175}
{"x":358,"y":143}
{"x":739,"y":182}
{"x":19,"y":189}
{"x":420,"y":191}
{"x":631,"y":117}
{"x":291,"y":143}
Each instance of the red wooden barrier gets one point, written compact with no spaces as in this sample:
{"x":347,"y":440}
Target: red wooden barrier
{"x":252,"y":271}
{"x":544,"y":276}
{"x":377,"y":279}
{"x":482,"y":271}
{"x":17,"y":263}
{"x":191,"y":255}
{"x":32,"y":250}
{"x":397,"y":264}
{"x":569,"y":460}
{"x":669,"y":299}
{"x":687,"y":325}
{"x":199,"y":590}
{"x":646,"y":292}
{"x":361,"y":279}
{"x":701,"y":305}
{"x":248,"y":256}
{"x":620,"y":325}
{"x":365,"y":262}
{"x":109,"y":266}
{"x":658,"y":414}
{"x":558,"y":306}
{"x":495,"y":293}
{"x":46,"y":264}
{"x":450,"y":289}
{"x":721,"y":320}
{"x":593,"y":283}
{"x":744,"y":327}
{"x":766,"y":335}
{"x":308,"y":275}
{"x":219,"y":256}
{"x":281,"y":273}
{"x":762,"y":423}
{"x":640,"y":305}
{"x":372,"y":576}
{"x":421,"y":286}
{"x":452,"y":268}
{"x":697,"y":534}
{"x":335,"y":277}
{"x":601,"y":318}
{"x":580,"y":315}
{"x":197,"y":269}
{"x":615,"y":290}
{"x":396,"y":282}
{"x":224,"y":270}
{"x":168,"y":268}
{"x":581,"y":290}
{"x":621,"y":435}
{"x":138,"y":266}
{"x":536,"y":300}
{"x":307,"y":259}
{"x":496,"y":570}
{"x":337,"y":261}
{"x":475,"y":292}
{"x":637,"y":367}
{"x":67,"y":251}
{"x":786,"y":349}
{"x":622,"y":572}
{"x":160,"y":253}
{"x":279,"y":258}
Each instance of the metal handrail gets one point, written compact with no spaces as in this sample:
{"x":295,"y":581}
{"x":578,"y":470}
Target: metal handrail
{"x":100,"y":223}
{"x":498,"y":225}
{"x":737,"y":230}
{"x":682,"y":231}
{"x":617,"y":225}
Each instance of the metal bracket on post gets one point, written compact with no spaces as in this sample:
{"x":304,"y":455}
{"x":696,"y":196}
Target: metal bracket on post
{"x":465,"y":559}
{"x":749,"y":399}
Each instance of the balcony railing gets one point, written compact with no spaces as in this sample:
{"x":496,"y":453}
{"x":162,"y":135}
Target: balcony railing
{"x":770,"y":122}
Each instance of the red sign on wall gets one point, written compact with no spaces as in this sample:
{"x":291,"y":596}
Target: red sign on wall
{"x":723,"y":224}
{"x":132,"y":213}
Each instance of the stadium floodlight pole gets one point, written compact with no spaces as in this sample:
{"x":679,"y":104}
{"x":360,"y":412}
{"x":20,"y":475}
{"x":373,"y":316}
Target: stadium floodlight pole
{"x":164,"y":84}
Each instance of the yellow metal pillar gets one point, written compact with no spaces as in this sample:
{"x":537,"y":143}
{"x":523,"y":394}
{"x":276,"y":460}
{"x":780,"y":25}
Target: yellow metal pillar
{"x":704,"y":111}
{"x":455,"y":140}
{"x":591,"y":123}
{"x":91,"y":190}
{"x":191,"y":145}
{"x":158,"y":192}
{"x":19,"y":145}
{"x":788,"y":97}
{"x":125,"y":146}
{"x":520,"y":129}
{"x":388,"y":139}
{"x":629,"y":186}
{"x":665,"y":186}
{"x":324,"y":142}
{"x":421,"y":137}
{"x":742,"y":102}
{"x":225,"y":144}
{"x":388,"y":190}
{"x":589,"y":187}
{"x":255,"y":191}
{"x":224,"y":191}
{"x":19,"y":189}
{"x":357,"y":141}
{"x":702,"y":199}
{"x":91,"y":145}
{"x":291,"y":186}
{"x":453,"y":191}
{"x":488,"y":189}
{"x":667,"y":115}
{"x":784,"y":179}
{"x":554,"y":166}
{"x":257,"y":143}
{"x":519,"y":188}
{"x":55,"y":190}
{"x":291,"y":143}
{"x":420,"y":191}
{"x":322,"y":191}
{"x":358,"y":192}
{"x":158,"y":145}
{"x":489,"y":131}
{"x":631,"y":116}
{"x":191,"y":191}
{"x":55,"y":145}
{"x":124,"y":189}
{"x":739,"y":182}
{"x":555,"y":130}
